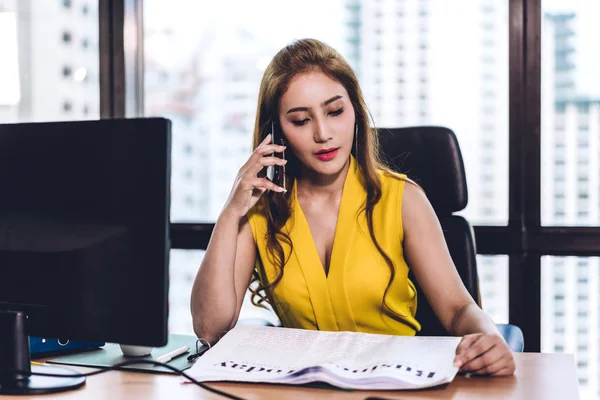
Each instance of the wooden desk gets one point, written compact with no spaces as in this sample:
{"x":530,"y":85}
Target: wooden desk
{"x":538,"y":376}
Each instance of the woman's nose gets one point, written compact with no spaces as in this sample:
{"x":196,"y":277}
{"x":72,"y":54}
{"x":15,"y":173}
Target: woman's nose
{"x":320,"y":134}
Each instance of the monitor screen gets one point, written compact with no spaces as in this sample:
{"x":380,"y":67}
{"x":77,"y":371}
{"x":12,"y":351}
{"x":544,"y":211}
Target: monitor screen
{"x":84,"y":228}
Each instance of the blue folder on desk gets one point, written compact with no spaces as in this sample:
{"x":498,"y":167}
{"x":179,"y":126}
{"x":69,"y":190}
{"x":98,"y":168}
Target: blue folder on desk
{"x":40,"y":347}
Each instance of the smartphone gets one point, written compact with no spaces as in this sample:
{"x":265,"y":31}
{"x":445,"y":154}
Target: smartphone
{"x":276,"y":173}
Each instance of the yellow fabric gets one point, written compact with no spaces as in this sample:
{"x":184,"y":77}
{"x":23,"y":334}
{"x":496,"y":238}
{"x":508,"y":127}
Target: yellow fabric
{"x":350,"y":297}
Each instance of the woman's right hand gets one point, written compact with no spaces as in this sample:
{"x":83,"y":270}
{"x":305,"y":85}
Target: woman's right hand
{"x":248,"y":187}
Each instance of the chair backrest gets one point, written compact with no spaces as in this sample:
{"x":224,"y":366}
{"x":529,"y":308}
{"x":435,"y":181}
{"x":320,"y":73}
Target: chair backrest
{"x":431,"y":156}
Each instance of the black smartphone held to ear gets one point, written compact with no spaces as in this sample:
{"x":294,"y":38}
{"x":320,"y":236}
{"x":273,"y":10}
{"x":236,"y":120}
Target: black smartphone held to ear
{"x":276,"y":173}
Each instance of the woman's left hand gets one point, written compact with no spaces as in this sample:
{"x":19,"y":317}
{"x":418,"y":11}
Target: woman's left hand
{"x":484,"y":354}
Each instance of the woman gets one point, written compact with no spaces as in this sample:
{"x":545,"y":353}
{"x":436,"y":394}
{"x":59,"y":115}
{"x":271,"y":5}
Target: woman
{"x":332,"y":252}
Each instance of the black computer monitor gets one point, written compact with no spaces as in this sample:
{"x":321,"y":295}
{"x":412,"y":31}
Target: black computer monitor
{"x":84,"y":238}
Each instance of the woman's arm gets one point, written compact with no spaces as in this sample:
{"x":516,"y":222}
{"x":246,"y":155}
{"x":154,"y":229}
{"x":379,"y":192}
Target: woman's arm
{"x":223,"y":277}
{"x":482,"y":350}
{"x":226,"y":269}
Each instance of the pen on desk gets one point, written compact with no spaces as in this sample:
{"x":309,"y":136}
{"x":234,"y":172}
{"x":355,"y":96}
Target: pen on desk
{"x":171,"y":355}
{"x":39,"y":364}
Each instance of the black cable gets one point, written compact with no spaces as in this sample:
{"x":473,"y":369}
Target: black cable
{"x":131,"y":362}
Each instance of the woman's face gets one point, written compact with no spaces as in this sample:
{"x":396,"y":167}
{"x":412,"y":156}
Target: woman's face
{"x":317,"y":119}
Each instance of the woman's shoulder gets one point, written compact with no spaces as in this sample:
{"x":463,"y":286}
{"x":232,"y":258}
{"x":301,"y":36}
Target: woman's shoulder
{"x":392,"y":180}
{"x":390,"y":174}
{"x":397,"y":189}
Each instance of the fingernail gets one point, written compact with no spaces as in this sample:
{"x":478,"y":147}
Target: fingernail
{"x":457,"y":363}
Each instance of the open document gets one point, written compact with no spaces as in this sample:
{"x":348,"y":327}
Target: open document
{"x":348,"y":360}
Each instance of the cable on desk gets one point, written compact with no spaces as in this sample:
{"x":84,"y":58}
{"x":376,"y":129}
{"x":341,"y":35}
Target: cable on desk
{"x":156,"y":363}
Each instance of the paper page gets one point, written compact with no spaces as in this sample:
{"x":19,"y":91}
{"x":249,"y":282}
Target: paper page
{"x":260,"y":354}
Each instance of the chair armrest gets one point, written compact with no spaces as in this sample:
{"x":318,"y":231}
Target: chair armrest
{"x":513,"y":336}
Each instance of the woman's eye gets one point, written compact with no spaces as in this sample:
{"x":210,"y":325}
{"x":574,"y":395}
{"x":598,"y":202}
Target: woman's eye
{"x":337,"y":112}
{"x":300,"y":123}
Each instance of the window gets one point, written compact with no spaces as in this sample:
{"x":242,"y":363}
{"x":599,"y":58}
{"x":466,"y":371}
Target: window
{"x":568,"y":31}
{"x":46,"y":73}
{"x":577,"y":308}
{"x":494,"y":288}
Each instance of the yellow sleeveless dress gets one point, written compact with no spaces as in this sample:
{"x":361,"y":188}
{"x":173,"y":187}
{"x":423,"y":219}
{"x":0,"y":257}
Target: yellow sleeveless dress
{"x":349,"y":297}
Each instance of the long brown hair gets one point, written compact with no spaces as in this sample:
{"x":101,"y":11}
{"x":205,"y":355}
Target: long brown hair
{"x":299,"y":57}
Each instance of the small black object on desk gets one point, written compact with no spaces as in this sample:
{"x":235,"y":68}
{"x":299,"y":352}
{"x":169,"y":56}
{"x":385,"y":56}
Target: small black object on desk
{"x":201,"y":348}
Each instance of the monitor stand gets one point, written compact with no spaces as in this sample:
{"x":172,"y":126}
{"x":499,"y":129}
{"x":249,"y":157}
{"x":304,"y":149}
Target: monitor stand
{"x":15,"y":362}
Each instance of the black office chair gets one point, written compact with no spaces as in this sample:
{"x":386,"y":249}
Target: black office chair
{"x":431,"y":157}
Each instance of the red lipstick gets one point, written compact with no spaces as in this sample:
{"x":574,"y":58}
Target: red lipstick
{"x":326,"y":154}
